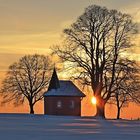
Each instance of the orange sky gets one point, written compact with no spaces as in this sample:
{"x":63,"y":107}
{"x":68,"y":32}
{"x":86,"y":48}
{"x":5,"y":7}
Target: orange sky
{"x":32,"y":26}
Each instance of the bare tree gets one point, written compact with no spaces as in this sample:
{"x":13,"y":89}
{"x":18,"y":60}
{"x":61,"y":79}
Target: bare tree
{"x":127,"y":87}
{"x":93,"y":46}
{"x":27,"y":79}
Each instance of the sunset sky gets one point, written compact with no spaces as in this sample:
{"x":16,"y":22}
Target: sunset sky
{"x":32,"y":26}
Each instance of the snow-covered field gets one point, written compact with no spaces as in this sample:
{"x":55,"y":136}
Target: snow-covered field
{"x":40,"y":127}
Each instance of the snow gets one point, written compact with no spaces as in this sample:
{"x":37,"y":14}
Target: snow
{"x":43,"y":127}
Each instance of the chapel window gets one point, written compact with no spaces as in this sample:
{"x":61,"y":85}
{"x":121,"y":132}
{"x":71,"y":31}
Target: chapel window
{"x":72,"y":104}
{"x":59,"y":104}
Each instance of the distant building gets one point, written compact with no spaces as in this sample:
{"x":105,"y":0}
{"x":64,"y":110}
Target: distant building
{"x":62,"y":98}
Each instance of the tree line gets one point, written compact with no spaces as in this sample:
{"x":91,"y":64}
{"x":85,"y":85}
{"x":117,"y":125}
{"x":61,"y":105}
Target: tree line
{"x":95,"y":48}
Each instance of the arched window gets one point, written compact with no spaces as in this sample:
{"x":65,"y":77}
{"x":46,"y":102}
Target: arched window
{"x":59,"y":104}
{"x":72,"y":104}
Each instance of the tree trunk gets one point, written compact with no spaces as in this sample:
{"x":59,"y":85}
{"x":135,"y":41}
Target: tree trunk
{"x":118,"y":106}
{"x":118,"y":112}
{"x":100,"y":108}
{"x":31,"y":108}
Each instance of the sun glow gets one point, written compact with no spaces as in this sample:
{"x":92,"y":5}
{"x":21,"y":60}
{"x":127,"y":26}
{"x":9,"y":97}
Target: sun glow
{"x":93,"y":100}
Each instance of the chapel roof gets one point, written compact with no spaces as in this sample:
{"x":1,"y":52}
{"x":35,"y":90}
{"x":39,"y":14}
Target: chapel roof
{"x":62,"y":87}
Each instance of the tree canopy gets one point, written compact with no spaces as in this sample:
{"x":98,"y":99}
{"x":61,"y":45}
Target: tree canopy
{"x":95,"y":46}
{"x":27,"y":79}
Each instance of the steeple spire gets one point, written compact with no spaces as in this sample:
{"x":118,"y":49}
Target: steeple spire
{"x":54,"y":82}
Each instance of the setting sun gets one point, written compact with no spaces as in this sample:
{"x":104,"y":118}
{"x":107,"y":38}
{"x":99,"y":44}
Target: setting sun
{"x":93,"y":100}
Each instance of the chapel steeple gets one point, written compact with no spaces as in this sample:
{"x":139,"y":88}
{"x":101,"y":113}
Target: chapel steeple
{"x":54,"y":82}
